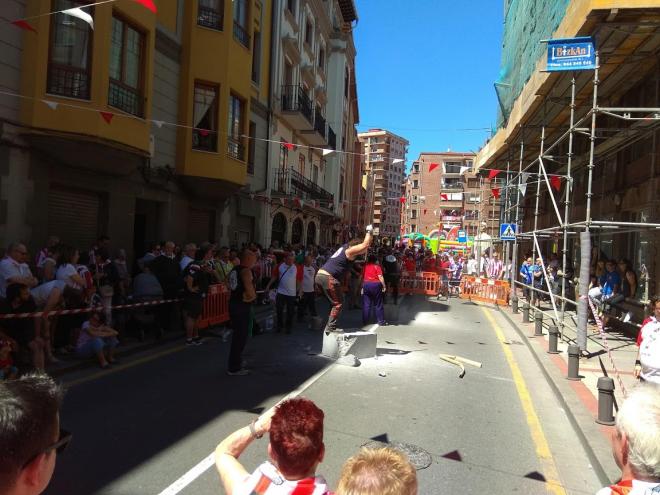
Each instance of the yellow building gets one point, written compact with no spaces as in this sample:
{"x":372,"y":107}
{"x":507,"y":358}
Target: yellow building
{"x":133,"y":128}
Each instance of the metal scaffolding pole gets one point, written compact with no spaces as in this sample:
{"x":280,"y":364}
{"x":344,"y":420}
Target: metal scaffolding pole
{"x":538,"y":197}
{"x":514,"y":262}
{"x":567,"y":204}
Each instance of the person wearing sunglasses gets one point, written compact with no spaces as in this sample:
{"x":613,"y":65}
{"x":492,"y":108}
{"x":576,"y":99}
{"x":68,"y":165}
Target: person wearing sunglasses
{"x":30,"y":433}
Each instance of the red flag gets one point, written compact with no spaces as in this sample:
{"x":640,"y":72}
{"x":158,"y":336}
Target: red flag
{"x":23,"y":25}
{"x":433,"y":166}
{"x":496,"y":192}
{"x":402,"y":199}
{"x":289,"y":146}
{"x":555,"y":182}
{"x":149,"y":4}
{"x":203,"y":132}
{"x":444,"y":197}
{"x":107,"y":116}
{"x":493,"y":173}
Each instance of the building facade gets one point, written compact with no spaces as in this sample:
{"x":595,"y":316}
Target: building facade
{"x":384,"y":164}
{"x":610,"y":189}
{"x":313,"y":117}
{"x":133,"y":129}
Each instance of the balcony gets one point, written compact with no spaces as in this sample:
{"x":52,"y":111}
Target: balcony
{"x":452,"y":186}
{"x":209,"y":17}
{"x":293,"y":184}
{"x":297,"y":108}
{"x":241,"y":35}
{"x":235,"y":148}
{"x":318,"y":136}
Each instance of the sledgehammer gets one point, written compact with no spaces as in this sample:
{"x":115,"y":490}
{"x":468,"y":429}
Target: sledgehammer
{"x":459,"y":361}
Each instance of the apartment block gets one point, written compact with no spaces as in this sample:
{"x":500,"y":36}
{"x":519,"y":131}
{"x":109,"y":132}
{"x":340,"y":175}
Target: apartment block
{"x":384,"y":165}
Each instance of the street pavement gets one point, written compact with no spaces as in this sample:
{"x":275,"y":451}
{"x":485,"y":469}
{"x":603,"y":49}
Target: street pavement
{"x":141,"y":427}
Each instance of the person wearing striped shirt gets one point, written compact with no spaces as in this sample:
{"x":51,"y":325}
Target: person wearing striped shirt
{"x":295,"y":448}
{"x":495,"y":268}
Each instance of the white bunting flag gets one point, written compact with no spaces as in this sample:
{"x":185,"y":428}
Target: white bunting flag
{"x":158,"y":123}
{"x":80,"y":14}
{"x":51,"y":104}
{"x":524,"y":177}
{"x":523,"y":188}
{"x":463,"y":170}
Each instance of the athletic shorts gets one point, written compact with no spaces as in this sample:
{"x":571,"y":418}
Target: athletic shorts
{"x":193,"y":306}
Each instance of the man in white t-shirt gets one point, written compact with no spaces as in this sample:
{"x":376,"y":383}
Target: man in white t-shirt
{"x":307,"y":291}
{"x":635,"y":443}
{"x":14,"y":270}
{"x":286,"y":278}
{"x":188,"y":257}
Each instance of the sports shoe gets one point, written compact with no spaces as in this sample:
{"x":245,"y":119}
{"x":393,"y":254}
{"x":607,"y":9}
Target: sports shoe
{"x":190,"y":342}
{"x":197,"y":341}
{"x":241,"y":372}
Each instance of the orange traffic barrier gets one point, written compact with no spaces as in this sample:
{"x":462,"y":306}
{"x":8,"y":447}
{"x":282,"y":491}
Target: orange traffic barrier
{"x":485,"y":290}
{"x":216,"y":307}
{"x":424,"y":283}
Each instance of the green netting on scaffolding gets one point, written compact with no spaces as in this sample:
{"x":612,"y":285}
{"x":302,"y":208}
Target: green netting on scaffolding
{"x":526,"y":23}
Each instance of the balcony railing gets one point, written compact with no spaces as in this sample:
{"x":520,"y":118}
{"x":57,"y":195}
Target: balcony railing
{"x":294,"y":184}
{"x":294,"y":99}
{"x":235,"y":148}
{"x":241,"y":35}
{"x":68,"y":81}
{"x":125,"y":98}
{"x":319,"y":123}
{"x":332,"y":138}
{"x":453,"y":186}
{"x":209,"y":17}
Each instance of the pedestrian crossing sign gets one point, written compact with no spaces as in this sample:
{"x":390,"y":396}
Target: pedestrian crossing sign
{"x":508,"y":232}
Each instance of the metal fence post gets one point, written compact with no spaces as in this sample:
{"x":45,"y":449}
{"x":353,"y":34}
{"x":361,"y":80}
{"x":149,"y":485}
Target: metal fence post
{"x":514,"y":304}
{"x":573,"y":363}
{"x":538,"y":324}
{"x":605,"y":401}
{"x":553,"y":339}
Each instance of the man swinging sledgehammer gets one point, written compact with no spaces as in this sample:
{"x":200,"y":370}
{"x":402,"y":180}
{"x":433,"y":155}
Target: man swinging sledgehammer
{"x":329,"y":277}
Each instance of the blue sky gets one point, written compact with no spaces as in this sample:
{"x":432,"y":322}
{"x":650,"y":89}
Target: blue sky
{"x":426,"y":68}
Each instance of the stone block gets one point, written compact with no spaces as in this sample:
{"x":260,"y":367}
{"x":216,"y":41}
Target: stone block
{"x":356,"y":342}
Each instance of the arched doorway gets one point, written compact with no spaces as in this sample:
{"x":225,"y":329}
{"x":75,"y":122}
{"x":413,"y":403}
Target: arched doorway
{"x":279,"y":228}
{"x":297,"y":231}
{"x":311,"y":233}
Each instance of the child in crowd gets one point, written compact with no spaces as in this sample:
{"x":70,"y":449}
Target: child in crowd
{"x":97,"y":339}
{"x":7,"y":369}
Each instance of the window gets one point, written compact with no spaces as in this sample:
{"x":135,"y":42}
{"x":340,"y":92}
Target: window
{"x":415,"y":199}
{"x":309,"y":32}
{"x":235,"y":147}
{"x":291,"y":6}
{"x":126,"y":60}
{"x":453,"y":167}
{"x":210,"y":13}
{"x":413,"y":214}
{"x":415,"y":167}
{"x":205,"y":118}
{"x":251,"y":148}
{"x":240,"y":22}
{"x":415,"y":184}
{"x":70,"y":55}
{"x":473,"y":183}
{"x":256,"y":58}
{"x":322,"y":58}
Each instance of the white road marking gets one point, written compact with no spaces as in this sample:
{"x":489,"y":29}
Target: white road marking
{"x":206,"y":463}
{"x":373,"y":328}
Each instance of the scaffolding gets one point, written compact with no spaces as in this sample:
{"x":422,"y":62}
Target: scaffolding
{"x":634,"y":124}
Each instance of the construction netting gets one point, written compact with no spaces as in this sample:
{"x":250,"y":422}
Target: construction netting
{"x":526,"y":23}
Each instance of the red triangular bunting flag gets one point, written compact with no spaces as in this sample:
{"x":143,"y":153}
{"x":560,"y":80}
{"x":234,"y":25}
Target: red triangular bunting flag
{"x":402,"y":199}
{"x":433,"y":166}
{"x":493,"y":173}
{"x":444,"y":197}
{"x":289,"y":146}
{"x":555,"y":182}
{"x":203,"y":132}
{"x":149,"y":4}
{"x":24,"y":25}
{"x":496,"y":192}
{"x":107,"y":116}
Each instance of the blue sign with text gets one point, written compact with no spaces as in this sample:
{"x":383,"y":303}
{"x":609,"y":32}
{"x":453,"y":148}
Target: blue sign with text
{"x":462,"y":236}
{"x":571,"y":54}
{"x":508,"y":231}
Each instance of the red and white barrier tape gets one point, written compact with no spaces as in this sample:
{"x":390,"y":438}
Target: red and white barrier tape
{"x":59,"y":312}
{"x":603,"y":336}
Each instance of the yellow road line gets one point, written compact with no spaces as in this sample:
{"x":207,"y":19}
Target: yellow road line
{"x":553,"y":484}
{"x":122,"y":367}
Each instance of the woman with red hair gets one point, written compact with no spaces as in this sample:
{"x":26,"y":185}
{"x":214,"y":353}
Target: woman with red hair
{"x":296,"y":448}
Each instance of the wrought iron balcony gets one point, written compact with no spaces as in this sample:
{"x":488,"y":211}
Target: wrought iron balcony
{"x":297,"y":105}
{"x":290,"y":183}
{"x":64,"y":80}
{"x":452,"y":186}
{"x":241,"y":35}
{"x":209,"y":17}
{"x":319,"y":124}
{"x":235,"y":148}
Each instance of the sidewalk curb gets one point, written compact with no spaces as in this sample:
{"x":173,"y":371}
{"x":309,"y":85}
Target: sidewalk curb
{"x":584,"y":425}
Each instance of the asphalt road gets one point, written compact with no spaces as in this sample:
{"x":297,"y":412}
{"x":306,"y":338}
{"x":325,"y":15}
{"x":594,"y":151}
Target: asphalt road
{"x":139,"y":428}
